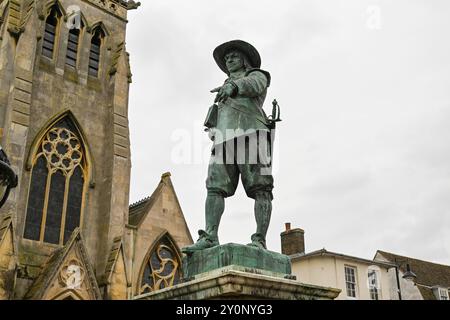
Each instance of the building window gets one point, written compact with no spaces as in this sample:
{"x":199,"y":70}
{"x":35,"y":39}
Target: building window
{"x":373,"y":285}
{"x":162,"y":267}
{"x":72,"y":48}
{"x":95,"y":52}
{"x":50,"y":34}
{"x":443,"y":294}
{"x":350,"y":281}
{"x":57,"y":186}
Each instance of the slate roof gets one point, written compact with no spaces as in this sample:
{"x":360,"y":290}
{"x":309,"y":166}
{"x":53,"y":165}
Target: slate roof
{"x":52,"y":266}
{"x":138,"y":210}
{"x":429,"y":274}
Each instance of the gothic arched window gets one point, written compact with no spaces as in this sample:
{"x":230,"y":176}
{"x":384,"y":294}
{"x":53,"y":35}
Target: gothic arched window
{"x":72,"y":46}
{"x":57,"y":187}
{"x":95,"y":51}
{"x":50,"y":33}
{"x":162,"y":267}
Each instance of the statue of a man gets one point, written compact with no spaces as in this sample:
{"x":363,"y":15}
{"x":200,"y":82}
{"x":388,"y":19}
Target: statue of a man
{"x":242,"y":142}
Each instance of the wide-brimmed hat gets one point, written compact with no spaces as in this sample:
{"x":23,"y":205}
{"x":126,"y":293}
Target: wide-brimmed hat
{"x":252,"y":54}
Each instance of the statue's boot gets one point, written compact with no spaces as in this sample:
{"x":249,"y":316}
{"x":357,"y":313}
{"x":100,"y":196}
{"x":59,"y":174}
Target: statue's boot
{"x":214,"y":208}
{"x":263,"y":211}
{"x":204,"y":242}
{"x":258,"y":240}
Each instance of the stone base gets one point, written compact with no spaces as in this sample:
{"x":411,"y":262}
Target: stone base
{"x":251,"y":258}
{"x":233,"y":282}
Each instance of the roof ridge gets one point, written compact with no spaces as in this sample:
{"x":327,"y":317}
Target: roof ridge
{"x":164,"y":176}
{"x":325,"y":252}
{"x":135,"y":204}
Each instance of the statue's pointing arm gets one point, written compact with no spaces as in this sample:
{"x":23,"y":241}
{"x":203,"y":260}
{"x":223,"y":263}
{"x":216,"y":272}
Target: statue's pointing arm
{"x":252,"y":85}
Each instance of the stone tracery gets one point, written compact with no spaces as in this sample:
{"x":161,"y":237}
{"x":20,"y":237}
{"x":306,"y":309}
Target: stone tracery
{"x":161,"y":269}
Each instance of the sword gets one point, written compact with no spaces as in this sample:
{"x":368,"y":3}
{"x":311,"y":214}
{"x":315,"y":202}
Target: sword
{"x":275,"y":117}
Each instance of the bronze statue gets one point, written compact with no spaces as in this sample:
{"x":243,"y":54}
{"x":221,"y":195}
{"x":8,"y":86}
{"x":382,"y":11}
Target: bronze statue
{"x":242,"y":142}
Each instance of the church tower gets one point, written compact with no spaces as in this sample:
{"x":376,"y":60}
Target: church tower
{"x":64,"y":86}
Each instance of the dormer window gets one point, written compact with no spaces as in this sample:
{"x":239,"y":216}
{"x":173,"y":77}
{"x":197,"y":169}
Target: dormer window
{"x":95,"y":52}
{"x":443,"y":294}
{"x":50,"y":34}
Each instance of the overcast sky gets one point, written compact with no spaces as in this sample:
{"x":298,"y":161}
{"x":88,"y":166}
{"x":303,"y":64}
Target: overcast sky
{"x":363,"y":152}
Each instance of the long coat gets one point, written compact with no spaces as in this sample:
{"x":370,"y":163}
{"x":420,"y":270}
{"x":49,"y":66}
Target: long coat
{"x":243,"y":113}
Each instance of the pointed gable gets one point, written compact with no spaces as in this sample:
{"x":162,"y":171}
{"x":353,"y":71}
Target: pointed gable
{"x":68,"y":274}
{"x":169,"y":208}
{"x":116,"y":272}
{"x":7,"y":258}
{"x":150,"y":218}
{"x":6,"y":244}
{"x":140,"y":209}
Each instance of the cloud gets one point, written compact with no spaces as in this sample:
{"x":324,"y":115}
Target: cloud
{"x":363,"y":160}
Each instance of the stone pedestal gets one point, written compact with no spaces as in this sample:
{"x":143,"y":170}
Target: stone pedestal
{"x":235,"y":282}
{"x":249,"y":257}
{"x":235,"y":271}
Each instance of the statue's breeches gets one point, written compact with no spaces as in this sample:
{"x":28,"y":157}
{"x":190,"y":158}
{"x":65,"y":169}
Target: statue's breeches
{"x":247,"y":156}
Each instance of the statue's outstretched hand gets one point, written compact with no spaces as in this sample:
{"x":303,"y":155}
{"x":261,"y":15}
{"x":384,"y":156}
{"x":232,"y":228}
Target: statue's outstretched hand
{"x":224,"y":92}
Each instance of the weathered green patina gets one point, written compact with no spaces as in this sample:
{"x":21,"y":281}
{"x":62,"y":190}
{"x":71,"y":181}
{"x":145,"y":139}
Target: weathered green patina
{"x":243,"y":140}
{"x":252,"y":258}
{"x":237,"y":283}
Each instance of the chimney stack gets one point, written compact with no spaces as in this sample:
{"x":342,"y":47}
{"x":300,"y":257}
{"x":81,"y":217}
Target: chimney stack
{"x":292,"y":240}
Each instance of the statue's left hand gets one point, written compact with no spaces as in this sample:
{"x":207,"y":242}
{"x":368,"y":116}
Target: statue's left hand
{"x":211,"y":133}
{"x":224,"y":92}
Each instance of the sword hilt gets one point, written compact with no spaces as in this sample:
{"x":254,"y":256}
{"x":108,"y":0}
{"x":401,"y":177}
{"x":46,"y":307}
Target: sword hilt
{"x":275,"y":117}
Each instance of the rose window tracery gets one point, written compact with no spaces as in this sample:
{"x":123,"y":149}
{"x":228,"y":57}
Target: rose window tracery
{"x":162,"y":268}
{"x":57,"y":186}
{"x":62,"y":149}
